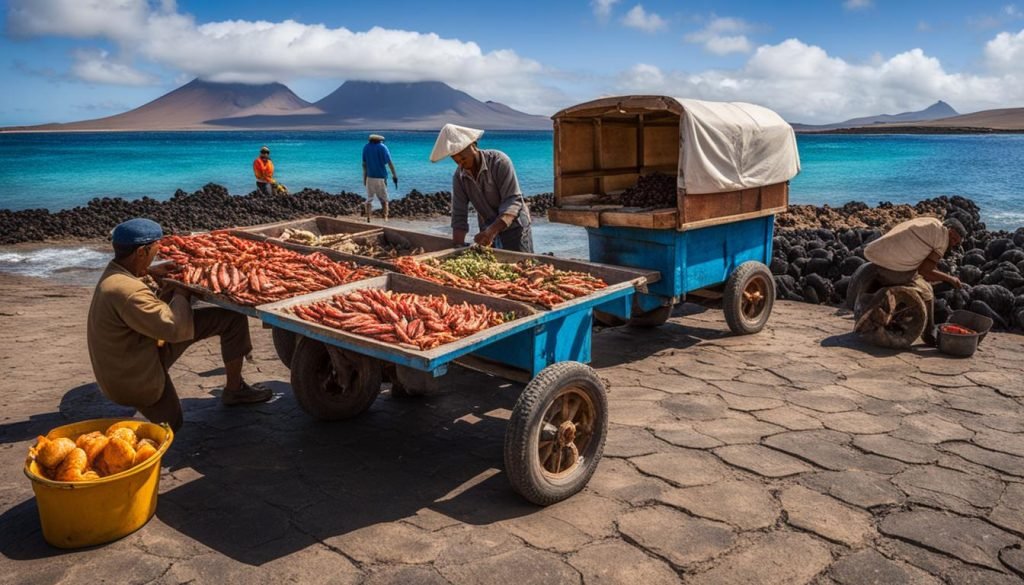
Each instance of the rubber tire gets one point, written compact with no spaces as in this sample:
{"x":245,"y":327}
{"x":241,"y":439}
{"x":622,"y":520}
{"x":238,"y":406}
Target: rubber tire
{"x":311,"y":365}
{"x":908,"y":331}
{"x":521,"y":434}
{"x":650,"y":319}
{"x":732,"y":299}
{"x":862,"y":281}
{"x":284,"y":345}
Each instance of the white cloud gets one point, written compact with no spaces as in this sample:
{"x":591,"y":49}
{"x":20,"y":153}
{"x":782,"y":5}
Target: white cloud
{"x":603,"y":8}
{"x":95,"y":66}
{"x":640,"y":19}
{"x":1005,"y":52}
{"x":858,"y":4}
{"x":261,"y":51}
{"x":723,"y":36}
{"x":806,"y":84}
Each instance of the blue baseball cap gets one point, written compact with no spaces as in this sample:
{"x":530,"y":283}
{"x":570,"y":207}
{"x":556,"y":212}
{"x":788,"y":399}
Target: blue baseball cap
{"x":136,"y":232}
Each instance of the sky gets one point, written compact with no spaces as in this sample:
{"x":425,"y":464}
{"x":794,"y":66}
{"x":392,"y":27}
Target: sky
{"x":814,"y":61}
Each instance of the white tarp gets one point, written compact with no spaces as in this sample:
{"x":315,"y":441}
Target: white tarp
{"x":732,"y":146}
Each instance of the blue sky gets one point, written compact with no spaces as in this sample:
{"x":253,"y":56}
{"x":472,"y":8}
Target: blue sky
{"x":814,"y":61}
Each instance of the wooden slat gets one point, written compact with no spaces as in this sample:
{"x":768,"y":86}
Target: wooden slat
{"x":640,"y":159}
{"x":658,"y":219}
{"x":699,"y":208}
{"x":732,"y":218}
{"x":586,"y":218}
{"x":619,"y":171}
{"x":598,"y":156}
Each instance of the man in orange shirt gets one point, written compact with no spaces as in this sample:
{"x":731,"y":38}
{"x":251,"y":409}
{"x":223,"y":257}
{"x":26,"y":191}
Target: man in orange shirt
{"x":264,"y":169}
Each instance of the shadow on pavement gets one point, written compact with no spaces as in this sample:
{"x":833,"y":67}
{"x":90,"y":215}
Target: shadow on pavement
{"x":260,"y":482}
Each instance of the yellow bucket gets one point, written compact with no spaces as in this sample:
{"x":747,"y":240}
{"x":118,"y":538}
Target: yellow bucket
{"x":87,"y":513}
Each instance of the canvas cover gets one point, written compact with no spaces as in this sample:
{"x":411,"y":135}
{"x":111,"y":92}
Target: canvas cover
{"x":728,"y":146}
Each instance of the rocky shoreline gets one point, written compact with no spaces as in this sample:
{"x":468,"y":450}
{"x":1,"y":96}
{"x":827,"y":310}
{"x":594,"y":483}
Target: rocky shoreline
{"x":212,"y":207}
{"x":816,"y":249}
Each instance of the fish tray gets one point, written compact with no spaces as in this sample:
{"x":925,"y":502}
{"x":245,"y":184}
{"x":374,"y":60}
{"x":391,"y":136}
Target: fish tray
{"x":428,"y":242}
{"x":224,"y":301}
{"x":320,"y":225}
{"x":306,"y":250}
{"x":616,"y":277}
{"x":277,"y":315}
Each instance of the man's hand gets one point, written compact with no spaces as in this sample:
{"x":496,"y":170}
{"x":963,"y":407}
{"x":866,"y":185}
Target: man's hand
{"x":486,"y":237}
{"x":161,"y":269}
{"x":395,"y":179}
{"x":955,"y":282}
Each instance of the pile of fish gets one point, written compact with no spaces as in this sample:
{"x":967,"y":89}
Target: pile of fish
{"x":527,"y":280}
{"x":656,"y":190}
{"x":377,"y":246}
{"x":408,"y":320}
{"x":252,"y":273}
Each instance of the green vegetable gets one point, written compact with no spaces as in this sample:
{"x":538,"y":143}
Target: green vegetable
{"x":476,"y":263}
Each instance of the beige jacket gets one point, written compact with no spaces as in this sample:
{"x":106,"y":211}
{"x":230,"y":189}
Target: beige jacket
{"x":906,"y":246}
{"x":126,"y":320}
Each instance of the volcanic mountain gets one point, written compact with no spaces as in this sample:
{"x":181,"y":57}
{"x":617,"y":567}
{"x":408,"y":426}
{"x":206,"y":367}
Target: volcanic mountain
{"x":424,"y":105}
{"x":193,"y":104}
{"x":936,"y":111}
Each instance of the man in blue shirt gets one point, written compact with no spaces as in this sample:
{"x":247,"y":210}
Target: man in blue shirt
{"x":376,"y":159}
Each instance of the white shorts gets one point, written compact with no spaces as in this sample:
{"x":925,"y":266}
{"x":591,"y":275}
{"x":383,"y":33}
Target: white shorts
{"x":376,"y":188}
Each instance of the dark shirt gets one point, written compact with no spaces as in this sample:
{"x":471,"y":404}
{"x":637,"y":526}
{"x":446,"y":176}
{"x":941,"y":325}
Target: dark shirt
{"x":494,"y":193}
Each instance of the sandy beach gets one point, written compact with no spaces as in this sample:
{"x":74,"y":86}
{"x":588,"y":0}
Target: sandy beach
{"x":797,"y":448}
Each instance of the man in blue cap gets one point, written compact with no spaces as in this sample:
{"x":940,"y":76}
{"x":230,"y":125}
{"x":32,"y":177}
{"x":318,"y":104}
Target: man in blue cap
{"x":134,"y":337}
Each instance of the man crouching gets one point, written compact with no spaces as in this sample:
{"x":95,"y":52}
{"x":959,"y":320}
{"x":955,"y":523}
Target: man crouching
{"x":134,"y":337}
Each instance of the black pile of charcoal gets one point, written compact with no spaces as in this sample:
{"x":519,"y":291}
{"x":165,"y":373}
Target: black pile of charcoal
{"x":815,"y":265}
{"x":656,"y":190}
{"x":212,"y":207}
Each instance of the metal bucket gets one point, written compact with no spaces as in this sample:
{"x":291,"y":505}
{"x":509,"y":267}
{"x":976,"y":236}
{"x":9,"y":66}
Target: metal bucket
{"x":973,"y":321}
{"x":957,"y":345}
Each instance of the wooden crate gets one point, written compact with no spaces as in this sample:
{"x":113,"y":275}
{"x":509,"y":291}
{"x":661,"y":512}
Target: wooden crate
{"x":603,"y":147}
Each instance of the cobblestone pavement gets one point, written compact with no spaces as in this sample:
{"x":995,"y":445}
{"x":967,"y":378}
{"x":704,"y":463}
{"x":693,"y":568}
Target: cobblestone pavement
{"x":792,"y":456}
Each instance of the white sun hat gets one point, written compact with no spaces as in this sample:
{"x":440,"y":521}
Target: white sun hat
{"x":452,"y":140}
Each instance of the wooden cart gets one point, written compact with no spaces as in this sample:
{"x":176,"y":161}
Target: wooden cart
{"x":731,"y":163}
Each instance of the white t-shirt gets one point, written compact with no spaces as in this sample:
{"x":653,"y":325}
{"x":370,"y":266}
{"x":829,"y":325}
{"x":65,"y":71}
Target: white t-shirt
{"x":909,"y":244}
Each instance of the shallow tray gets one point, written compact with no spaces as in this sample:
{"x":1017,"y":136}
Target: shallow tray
{"x":320,"y":225}
{"x":617,"y":277}
{"x":277,"y":315}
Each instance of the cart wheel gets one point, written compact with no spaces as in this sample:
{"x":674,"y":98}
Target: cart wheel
{"x":652,"y":318}
{"x":556,"y":434}
{"x":333,"y":384}
{"x":284,"y":345}
{"x":748,"y":298}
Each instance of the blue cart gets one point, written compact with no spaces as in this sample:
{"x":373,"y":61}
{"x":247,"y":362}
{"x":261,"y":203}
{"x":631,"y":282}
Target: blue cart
{"x":555,"y":436}
{"x":684,"y":187}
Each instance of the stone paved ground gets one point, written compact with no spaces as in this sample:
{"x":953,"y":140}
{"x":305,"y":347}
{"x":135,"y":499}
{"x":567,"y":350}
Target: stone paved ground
{"x":793,"y":456}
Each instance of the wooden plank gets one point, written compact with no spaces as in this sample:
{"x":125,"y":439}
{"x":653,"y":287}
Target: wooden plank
{"x":658,"y":219}
{"x":586,"y":218}
{"x":640,"y":159}
{"x":699,"y":208}
{"x":671,"y":169}
{"x":732,"y":218}
{"x":598,"y":156}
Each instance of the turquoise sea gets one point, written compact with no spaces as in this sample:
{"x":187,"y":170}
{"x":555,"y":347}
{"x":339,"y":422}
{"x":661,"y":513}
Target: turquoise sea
{"x":56,"y":171}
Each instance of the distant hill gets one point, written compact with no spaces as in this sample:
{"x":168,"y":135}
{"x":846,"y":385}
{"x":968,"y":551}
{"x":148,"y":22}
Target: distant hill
{"x":193,"y":104}
{"x":425,"y":105}
{"x":205,"y":105}
{"x":936,"y":111}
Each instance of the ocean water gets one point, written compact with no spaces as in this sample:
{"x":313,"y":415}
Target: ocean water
{"x":56,"y":171}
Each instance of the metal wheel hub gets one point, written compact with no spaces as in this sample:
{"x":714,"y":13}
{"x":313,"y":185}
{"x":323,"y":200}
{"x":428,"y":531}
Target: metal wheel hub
{"x":565,"y":432}
{"x":754,"y":297}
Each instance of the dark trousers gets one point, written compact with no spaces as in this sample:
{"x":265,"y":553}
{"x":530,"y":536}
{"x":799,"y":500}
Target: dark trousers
{"x":265,"y":188}
{"x":517,"y":238}
{"x":233,"y":330}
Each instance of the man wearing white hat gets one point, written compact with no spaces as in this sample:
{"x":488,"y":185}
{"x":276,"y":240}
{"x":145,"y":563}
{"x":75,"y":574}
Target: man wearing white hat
{"x":376,"y":157}
{"x":487,"y":180}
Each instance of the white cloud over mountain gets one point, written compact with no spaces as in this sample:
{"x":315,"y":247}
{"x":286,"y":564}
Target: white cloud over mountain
{"x":802,"y":81}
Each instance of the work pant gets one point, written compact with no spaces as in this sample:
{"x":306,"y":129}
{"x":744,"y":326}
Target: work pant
{"x":517,"y":237}
{"x":233,"y":330}
{"x":265,"y":188}
{"x":917,"y":282}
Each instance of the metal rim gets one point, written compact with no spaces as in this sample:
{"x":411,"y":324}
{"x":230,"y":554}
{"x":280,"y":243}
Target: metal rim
{"x":565,"y":432}
{"x":755,"y":297}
